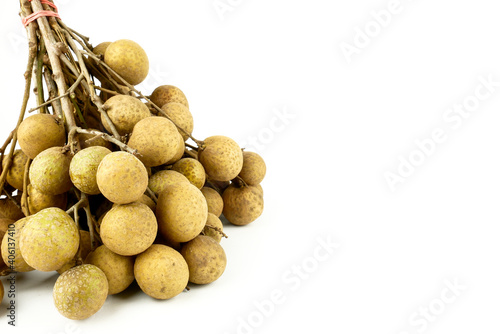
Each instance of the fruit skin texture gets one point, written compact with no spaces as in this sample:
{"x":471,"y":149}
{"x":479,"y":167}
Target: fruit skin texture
{"x":122,"y":178}
{"x":39,"y":132}
{"x":214,"y":200}
{"x":129,"y":229}
{"x":181,"y":211}
{"x":242,"y":205}
{"x":15,"y":175}
{"x":254,"y":168}
{"x":161,"y":272}
{"x":128,"y":59}
{"x":213,"y":221}
{"x":49,"y":240}
{"x":80,"y":292}
{"x":156,"y":140}
{"x":83,"y":168}
{"x":221,"y":157}
{"x":37,"y":201}
{"x":206,"y":259}
{"x":20,"y":264}
{"x":160,"y":180}
{"x":125,"y":112}
{"x":49,"y":171}
{"x":192,"y":169}
{"x":167,"y":94}
{"x":181,"y":116}
{"x":119,"y":269}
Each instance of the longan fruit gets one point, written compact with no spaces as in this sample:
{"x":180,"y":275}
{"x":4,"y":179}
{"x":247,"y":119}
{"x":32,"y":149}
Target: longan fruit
{"x":221,"y":157}
{"x":160,"y":180}
{"x":181,"y":117}
{"x":85,"y":249}
{"x":214,"y":200}
{"x":99,"y":50}
{"x":121,"y":177}
{"x":10,"y":210}
{"x":167,"y":94}
{"x":206,"y":259}
{"x":180,"y":151}
{"x":181,"y":211}
{"x":161,"y":272}
{"x":129,"y":229}
{"x":83,"y":168}
{"x":3,"y":266}
{"x":213,"y":221}
{"x":254,"y":168}
{"x":156,"y":140}
{"x":80,"y":292}
{"x":192,"y":169}
{"x":242,"y":205}
{"x":49,"y":171}
{"x":18,"y":263}
{"x":125,"y":112}
{"x":15,"y":175}
{"x":119,"y":269}
{"x":49,"y":240}
{"x":38,"y":132}
{"x":37,"y":201}
{"x":128,"y":59}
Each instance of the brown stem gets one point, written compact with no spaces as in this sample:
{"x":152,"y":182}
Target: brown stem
{"x":53,"y":53}
{"x":24,"y":197}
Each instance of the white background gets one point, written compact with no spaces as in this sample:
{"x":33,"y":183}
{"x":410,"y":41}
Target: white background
{"x":350,"y":123}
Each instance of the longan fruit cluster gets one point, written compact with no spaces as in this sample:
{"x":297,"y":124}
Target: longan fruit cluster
{"x":145,"y":206}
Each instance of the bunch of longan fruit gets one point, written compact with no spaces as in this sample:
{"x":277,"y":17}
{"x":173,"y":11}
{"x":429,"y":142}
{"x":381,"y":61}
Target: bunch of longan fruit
{"x":126,"y":193}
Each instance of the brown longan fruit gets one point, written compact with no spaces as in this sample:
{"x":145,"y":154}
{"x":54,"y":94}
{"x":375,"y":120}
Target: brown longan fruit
{"x":129,"y":229}
{"x":192,"y":169}
{"x":49,"y":171}
{"x":3,"y":266}
{"x":214,"y":200}
{"x":167,"y":94}
{"x":80,"y":292}
{"x":242,"y":205}
{"x":206,"y":259}
{"x":161,"y":272}
{"x":37,"y":201}
{"x":10,"y":210}
{"x":156,"y":140}
{"x":209,"y":231}
{"x":125,"y":112}
{"x":129,"y":60}
{"x":15,"y":175}
{"x":85,"y":249}
{"x":18,"y":263}
{"x":254,"y":168}
{"x":119,"y":269}
{"x":99,"y":50}
{"x":180,"y":151}
{"x":160,"y":180}
{"x":180,"y":115}
{"x":221,"y":157}
{"x":39,"y":132}
{"x":49,"y":240}
{"x":83,"y":168}
{"x":181,"y":211}
{"x":122,"y":178}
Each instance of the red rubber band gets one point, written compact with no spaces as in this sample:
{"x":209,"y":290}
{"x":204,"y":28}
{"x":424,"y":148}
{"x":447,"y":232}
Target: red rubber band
{"x":30,"y":18}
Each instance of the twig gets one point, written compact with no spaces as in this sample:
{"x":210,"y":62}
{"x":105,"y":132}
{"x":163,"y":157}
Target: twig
{"x":24,"y":197}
